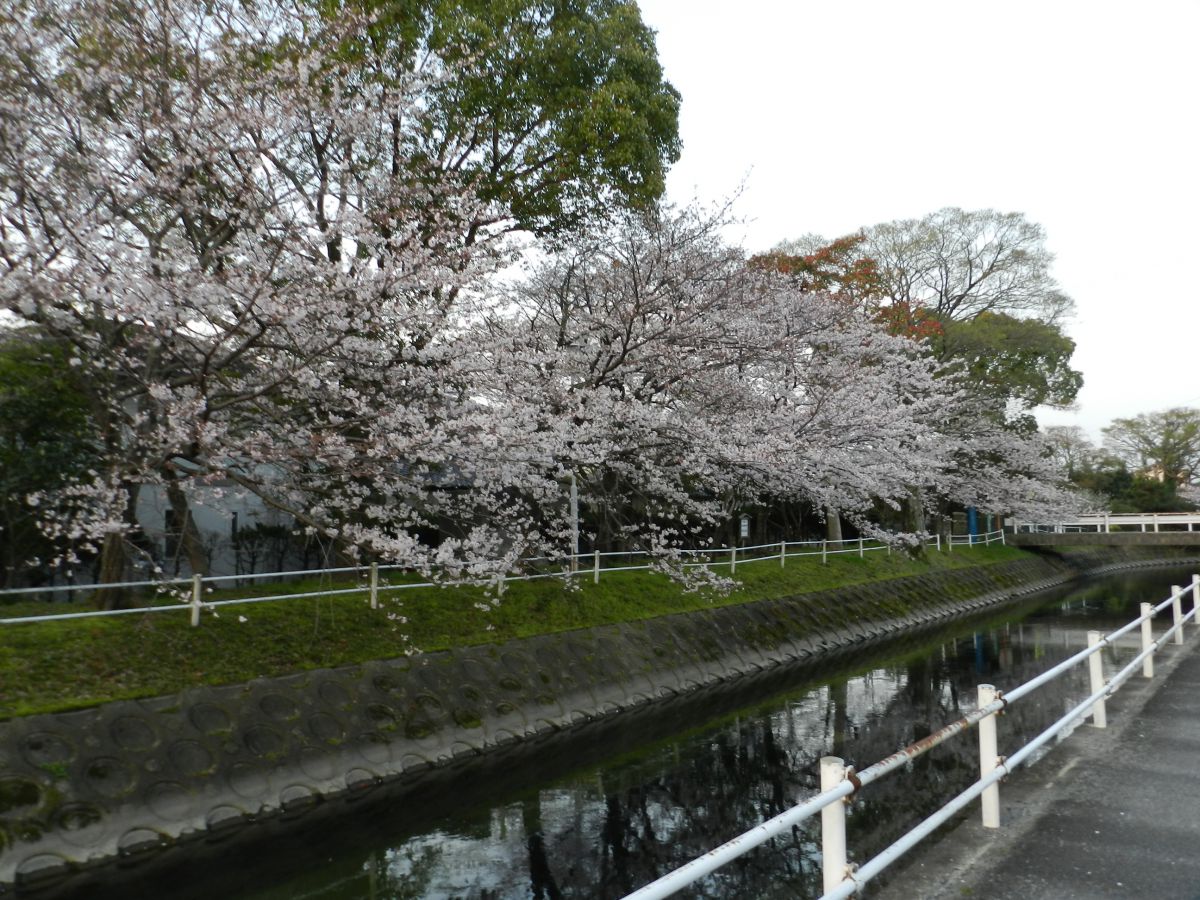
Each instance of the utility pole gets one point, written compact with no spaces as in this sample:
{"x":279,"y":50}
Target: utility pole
{"x":574,"y":523}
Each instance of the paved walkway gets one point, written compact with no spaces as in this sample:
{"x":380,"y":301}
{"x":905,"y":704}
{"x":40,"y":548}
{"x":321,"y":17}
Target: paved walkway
{"x":1107,"y":814}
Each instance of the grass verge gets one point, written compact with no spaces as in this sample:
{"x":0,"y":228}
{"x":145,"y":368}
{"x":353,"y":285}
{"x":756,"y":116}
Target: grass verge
{"x":56,"y":666}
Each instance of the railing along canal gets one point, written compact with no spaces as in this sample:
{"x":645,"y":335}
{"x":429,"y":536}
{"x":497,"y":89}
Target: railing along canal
{"x":840,"y":783}
{"x":580,"y":565}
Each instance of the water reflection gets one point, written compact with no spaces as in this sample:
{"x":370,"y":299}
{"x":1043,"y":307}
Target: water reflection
{"x":608,"y":828}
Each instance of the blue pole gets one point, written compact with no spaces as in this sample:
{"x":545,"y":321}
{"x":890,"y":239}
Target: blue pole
{"x":972,"y":523}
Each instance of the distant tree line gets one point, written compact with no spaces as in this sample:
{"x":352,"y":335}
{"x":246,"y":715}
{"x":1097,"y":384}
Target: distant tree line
{"x":1147,"y":463}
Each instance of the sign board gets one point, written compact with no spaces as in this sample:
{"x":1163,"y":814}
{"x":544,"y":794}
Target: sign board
{"x":745,"y":530}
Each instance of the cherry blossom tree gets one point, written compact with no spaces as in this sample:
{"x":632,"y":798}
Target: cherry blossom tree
{"x":207,"y":205}
{"x":1003,"y":466}
{"x":695,"y":380}
{"x":262,"y":284}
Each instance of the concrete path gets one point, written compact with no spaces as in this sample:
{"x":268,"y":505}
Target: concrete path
{"x":1107,"y":814}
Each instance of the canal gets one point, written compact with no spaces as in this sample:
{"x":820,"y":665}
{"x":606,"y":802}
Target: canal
{"x":603,"y":812}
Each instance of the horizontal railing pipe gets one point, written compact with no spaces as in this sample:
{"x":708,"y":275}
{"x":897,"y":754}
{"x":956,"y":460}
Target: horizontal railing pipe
{"x":1004,"y":768}
{"x":858,"y":879}
{"x":61,"y":588}
{"x":235,"y":601}
{"x":91,"y":614}
{"x":731,"y":850}
{"x":685,"y":875}
{"x":341,"y":570}
{"x":1071,"y":661}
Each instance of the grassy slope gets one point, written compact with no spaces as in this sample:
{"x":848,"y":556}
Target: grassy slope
{"x":53,"y":666}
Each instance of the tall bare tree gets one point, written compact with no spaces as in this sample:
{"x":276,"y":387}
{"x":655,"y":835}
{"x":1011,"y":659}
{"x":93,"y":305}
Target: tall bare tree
{"x":960,"y":263}
{"x":1070,"y":448}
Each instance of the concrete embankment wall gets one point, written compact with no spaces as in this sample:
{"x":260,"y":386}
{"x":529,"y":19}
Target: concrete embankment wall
{"x":1124,"y":539}
{"x":126,"y":780}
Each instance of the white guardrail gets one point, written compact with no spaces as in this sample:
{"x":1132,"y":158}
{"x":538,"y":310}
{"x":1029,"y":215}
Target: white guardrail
{"x":581,"y":565}
{"x":1105,"y":523}
{"x":838,"y":782}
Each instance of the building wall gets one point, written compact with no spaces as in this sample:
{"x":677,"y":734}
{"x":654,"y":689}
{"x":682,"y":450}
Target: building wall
{"x":239,"y":532}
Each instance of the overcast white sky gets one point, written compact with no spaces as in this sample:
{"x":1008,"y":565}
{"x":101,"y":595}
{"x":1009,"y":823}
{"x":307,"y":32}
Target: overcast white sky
{"x":1081,"y":115}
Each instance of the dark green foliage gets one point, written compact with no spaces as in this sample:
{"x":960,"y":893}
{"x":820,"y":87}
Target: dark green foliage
{"x":1129,"y":492}
{"x":1021,"y":359}
{"x":1145,"y":467}
{"x":46,"y":439}
{"x":558,"y":109}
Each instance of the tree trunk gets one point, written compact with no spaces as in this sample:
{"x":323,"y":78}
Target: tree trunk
{"x":944,"y":523}
{"x":115,"y":562}
{"x":833,"y":525}
{"x":189,"y":535}
{"x":113,"y":568}
{"x":914,"y":511}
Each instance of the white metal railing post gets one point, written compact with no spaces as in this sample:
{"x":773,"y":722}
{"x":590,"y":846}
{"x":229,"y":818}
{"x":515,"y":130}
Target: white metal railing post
{"x":374,"y":585}
{"x":950,"y":542}
{"x":1196,"y":598}
{"x":1177,"y":611}
{"x":939,"y":541}
{"x":1002,"y":540}
{"x":860,"y":548}
{"x":1147,"y":640}
{"x":782,"y":553}
{"x":833,"y":825}
{"x":1096,"y":679}
{"x":988,"y":758}
{"x":197,"y":598}
{"x":824,"y":553}
{"x":595,"y":567}
{"x":732,"y":560}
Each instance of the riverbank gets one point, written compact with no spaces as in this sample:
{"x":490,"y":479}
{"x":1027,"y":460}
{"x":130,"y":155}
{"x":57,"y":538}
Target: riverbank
{"x":129,"y":780}
{"x":59,"y":666}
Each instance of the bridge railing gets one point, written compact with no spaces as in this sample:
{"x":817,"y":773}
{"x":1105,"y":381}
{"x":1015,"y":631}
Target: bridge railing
{"x":1105,"y":523}
{"x":177,"y":594}
{"x":840,"y":783}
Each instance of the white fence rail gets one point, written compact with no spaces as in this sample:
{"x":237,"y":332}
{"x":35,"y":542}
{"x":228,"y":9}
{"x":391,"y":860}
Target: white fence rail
{"x":839,"y":782}
{"x":582,"y":565}
{"x":1106,"y":523}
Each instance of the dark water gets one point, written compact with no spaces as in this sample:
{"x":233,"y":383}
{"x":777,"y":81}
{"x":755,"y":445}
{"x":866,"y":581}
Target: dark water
{"x":599,"y":816}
